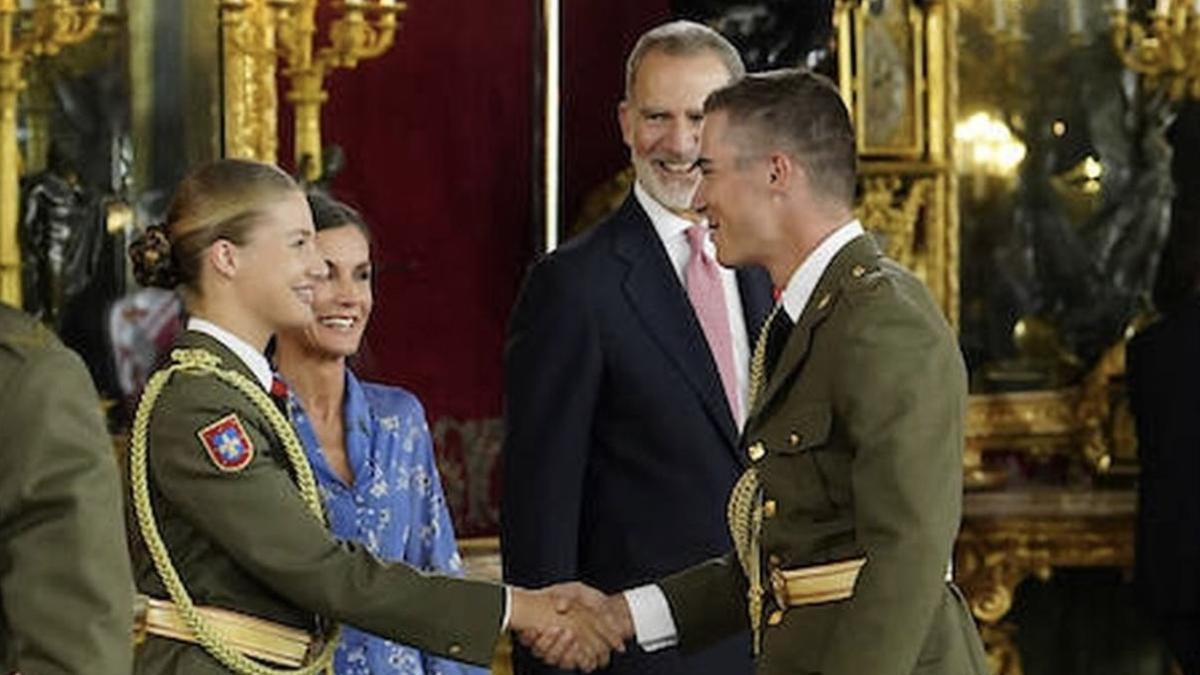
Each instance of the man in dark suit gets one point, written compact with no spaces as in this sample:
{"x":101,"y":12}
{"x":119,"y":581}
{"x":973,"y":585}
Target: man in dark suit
{"x":1164,"y":366}
{"x":845,"y":519}
{"x":626,"y":368}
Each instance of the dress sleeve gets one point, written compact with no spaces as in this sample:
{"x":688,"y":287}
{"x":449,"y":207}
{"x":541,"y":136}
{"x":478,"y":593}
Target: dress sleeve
{"x":431,"y":545}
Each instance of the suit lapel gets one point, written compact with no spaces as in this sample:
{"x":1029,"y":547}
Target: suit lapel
{"x":860,"y":251}
{"x":754,"y":287}
{"x":652,"y":288}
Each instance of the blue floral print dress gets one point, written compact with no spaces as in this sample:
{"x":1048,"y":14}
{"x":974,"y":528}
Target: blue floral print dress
{"x":395,"y":508}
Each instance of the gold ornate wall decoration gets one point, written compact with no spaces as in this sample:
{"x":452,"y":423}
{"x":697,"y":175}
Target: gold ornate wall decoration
{"x":1164,"y":48}
{"x":41,"y":31}
{"x":1109,"y":434}
{"x":251,"y":101}
{"x":894,"y":61}
{"x":365,"y":30}
{"x":892,"y":207}
{"x":37,"y":102}
{"x":261,"y":34}
{"x":889,"y":78}
{"x":1009,"y":537}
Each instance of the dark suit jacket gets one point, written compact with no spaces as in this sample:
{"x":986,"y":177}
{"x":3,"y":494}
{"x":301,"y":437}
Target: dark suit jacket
{"x":858,"y":442}
{"x":620,"y":448}
{"x":1164,"y":369}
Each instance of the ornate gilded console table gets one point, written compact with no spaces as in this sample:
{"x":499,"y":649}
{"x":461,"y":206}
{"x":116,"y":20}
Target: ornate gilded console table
{"x":1009,"y":536}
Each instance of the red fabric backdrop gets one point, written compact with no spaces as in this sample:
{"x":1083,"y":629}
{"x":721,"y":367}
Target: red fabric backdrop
{"x":439,"y":137}
{"x":596,"y":38}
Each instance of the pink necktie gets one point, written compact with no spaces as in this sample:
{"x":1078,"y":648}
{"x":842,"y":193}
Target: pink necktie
{"x":707,"y":293}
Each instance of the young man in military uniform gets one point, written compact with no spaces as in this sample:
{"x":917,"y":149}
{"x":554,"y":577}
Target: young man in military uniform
{"x":846,"y":515}
{"x":66,"y":591}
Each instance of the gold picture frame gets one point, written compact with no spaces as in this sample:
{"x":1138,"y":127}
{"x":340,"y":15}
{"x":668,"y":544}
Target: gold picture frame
{"x":887,"y":68}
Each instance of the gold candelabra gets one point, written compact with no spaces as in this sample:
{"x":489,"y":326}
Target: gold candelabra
{"x":43,"y":28}
{"x":1164,"y":47}
{"x":286,"y":30}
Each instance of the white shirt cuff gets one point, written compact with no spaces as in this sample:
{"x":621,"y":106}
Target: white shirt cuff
{"x":652,"y":620}
{"x":507,"y":609}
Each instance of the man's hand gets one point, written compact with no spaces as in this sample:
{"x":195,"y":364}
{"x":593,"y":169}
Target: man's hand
{"x":561,"y":632}
{"x":612,"y":609}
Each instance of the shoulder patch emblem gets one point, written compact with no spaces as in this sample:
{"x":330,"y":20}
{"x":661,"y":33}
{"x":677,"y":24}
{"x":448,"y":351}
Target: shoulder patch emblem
{"x":227,"y":443}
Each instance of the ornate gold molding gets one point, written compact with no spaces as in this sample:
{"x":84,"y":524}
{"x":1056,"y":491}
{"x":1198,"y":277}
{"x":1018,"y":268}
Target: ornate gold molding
{"x":909,"y":194}
{"x":251,"y":100}
{"x":899,"y":209}
{"x":1009,"y":537}
{"x":1092,"y":423}
{"x":260,"y":33}
{"x":42,"y":30}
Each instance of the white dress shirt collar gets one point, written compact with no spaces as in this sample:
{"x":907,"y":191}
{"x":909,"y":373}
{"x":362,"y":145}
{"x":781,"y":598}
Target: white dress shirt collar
{"x":804,"y":280}
{"x":666,"y":222}
{"x":254,"y":359}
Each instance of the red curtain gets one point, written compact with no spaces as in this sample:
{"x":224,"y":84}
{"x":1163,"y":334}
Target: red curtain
{"x":439,"y":135}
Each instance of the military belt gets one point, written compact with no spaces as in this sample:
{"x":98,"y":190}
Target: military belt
{"x":815,"y":584}
{"x":257,"y":638}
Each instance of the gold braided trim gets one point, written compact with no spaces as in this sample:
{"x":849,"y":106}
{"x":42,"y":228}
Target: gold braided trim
{"x":258,"y":638}
{"x":816,"y":584}
{"x":758,"y":360}
{"x":744,"y":513}
{"x":215,"y":642}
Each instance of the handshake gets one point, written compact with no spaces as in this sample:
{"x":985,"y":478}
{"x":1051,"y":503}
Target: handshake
{"x":571,"y":625}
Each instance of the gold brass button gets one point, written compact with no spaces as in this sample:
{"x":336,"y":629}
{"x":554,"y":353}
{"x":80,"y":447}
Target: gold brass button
{"x":775,"y":619}
{"x":757,"y":451}
{"x":794,"y":439}
{"x":823,"y":302}
{"x":858,"y":271}
{"x":455,"y":650}
{"x":774,"y":560}
{"x":769,"y":508}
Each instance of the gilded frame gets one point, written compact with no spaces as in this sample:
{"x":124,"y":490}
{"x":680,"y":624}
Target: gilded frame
{"x":889,"y":78}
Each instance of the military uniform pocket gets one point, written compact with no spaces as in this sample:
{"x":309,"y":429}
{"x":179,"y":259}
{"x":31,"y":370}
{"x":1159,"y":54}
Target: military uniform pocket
{"x":807,"y":429}
{"x":808,"y":472}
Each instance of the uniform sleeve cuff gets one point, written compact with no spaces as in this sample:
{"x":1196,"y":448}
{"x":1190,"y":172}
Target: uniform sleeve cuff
{"x":507,"y":609}
{"x":652,"y":620}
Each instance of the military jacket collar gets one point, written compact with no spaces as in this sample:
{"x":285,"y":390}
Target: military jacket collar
{"x":194,"y":339}
{"x":250,"y":358}
{"x":804,"y":280}
{"x":854,"y":263}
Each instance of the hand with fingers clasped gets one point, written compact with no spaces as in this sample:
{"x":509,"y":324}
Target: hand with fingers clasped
{"x":569,"y":625}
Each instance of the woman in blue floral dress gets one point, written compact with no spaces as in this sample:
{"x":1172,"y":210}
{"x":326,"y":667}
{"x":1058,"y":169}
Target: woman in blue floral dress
{"x":369,"y":444}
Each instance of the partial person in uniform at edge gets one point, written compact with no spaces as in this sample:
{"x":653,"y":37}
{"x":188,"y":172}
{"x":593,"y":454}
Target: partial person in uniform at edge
{"x":1164,"y":367}
{"x":844,"y":522}
{"x":236,"y":562}
{"x":368,"y":444}
{"x":66,"y":595}
{"x":626,"y":368}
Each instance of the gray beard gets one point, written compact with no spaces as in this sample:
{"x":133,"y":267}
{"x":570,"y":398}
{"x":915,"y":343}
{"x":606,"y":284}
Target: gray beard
{"x":674,"y":198}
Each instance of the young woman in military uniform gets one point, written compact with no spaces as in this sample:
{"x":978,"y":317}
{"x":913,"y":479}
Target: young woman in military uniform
{"x":238,"y":569}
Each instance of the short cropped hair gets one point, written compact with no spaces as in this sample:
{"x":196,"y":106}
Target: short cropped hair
{"x":802,"y":113}
{"x":682,"y":38}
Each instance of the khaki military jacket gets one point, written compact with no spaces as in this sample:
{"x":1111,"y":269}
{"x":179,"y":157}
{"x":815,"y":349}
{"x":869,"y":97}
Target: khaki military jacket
{"x":243,"y":539}
{"x":858,"y":441}
{"x":65,"y":586}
